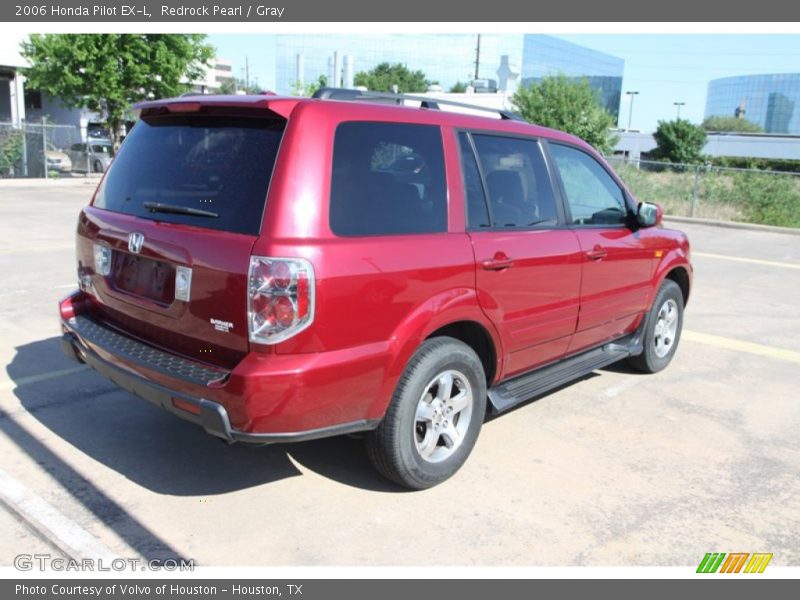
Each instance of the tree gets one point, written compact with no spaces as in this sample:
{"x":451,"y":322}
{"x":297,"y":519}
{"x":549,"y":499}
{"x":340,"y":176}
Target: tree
{"x":235,"y":84}
{"x":459,"y":87}
{"x":107,"y":73}
{"x":567,"y":104}
{"x":679,"y":141}
{"x":309,"y":89}
{"x":728,"y":124}
{"x":385,"y":75}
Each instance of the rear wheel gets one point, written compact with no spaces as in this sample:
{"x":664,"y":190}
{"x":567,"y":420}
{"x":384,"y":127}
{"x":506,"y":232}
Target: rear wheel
{"x":662,"y":329}
{"x":434,"y":418}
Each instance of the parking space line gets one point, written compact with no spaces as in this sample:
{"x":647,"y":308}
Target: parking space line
{"x":754,"y":261}
{"x":742,"y":346}
{"x":69,"y":537}
{"x":14,"y":383}
{"x":36,"y":249}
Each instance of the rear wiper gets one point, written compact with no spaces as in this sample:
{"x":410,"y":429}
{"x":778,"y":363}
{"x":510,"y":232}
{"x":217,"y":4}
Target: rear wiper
{"x":175,"y":209}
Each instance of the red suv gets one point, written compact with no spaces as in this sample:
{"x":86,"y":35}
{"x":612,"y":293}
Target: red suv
{"x":282,"y":269}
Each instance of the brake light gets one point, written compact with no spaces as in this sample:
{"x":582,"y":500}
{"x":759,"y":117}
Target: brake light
{"x":183,"y":107}
{"x":280,"y":299}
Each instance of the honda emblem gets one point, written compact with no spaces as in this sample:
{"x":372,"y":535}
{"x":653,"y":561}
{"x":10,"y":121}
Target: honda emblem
{"x":135,"y":242}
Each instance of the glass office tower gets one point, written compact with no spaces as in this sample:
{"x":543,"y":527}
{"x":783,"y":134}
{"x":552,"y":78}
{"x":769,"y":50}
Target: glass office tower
{"x":444,"y":58}
{"x":770,"y":101}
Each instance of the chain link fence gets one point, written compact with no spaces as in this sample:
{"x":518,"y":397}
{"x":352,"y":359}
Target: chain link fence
{"x":723,"y":193}
{"x":40,"y":150}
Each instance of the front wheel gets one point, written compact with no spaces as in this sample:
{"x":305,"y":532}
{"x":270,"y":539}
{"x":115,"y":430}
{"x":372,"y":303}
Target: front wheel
{"x":662,"y":332}
{"x":434,"y":418}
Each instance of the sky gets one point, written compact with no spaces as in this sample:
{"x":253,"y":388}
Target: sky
{"x":663,"y":68}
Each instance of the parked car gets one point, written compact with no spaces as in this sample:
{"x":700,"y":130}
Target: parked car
{"x":98,"y":158}
{"x":57,"y":160}
{"x":274,"y":270}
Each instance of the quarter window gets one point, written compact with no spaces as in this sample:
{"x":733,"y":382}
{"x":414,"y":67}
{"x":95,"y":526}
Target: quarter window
{"x":477,"y":214}
{"x":388,"y":178}
{"x":594,"y":198}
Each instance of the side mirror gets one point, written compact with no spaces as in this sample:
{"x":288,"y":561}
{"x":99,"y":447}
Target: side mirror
{"x":648,"y":214}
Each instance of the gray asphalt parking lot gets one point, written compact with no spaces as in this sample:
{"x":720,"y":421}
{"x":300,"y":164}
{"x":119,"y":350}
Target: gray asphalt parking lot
{"x":615,"y":469}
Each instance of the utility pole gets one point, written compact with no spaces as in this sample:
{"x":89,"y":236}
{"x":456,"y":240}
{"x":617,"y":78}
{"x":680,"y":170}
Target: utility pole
{"x":630,"y":112}
{"x":478,"y":58}
{"x":247,"y":74}
{"x":679,"y":104}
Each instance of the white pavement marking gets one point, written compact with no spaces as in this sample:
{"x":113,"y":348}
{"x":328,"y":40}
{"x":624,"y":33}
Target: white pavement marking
{"x":69,"y":537}
{"x":742,"y":346}
{"x":624,"y":385}
{"x":754,"y":261}
{"x":10,"y":384}
{"x":35,"y":249}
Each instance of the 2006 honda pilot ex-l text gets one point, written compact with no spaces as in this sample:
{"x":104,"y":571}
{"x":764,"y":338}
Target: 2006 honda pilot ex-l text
{"x":282,"y":269}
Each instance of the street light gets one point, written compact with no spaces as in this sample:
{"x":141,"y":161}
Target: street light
{"x":630,"y":112}
{"x":679,"y":104}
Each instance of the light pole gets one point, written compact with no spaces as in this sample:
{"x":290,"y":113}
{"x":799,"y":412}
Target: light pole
{"x":679,"y":104}
{"x":630,"y":111}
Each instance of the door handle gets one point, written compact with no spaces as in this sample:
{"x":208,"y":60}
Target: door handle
{"x":498,"y":263}
{"x":597,"y":253}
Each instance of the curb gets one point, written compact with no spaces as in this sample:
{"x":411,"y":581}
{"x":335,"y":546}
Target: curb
{"x":734,"y":225}
{"x":49,"y":523}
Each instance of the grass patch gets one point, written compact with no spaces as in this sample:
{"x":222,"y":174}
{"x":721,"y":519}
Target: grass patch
{"x":746,"y":196}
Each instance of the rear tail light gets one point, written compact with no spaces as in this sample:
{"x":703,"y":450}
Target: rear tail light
{"x":280,"y":299}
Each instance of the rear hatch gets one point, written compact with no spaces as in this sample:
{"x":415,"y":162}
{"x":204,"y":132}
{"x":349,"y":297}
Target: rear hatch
{"x":165,"y":246}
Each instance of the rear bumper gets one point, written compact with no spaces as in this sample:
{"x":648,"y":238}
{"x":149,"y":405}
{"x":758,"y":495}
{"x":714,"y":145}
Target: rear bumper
{"x":212,"y":416}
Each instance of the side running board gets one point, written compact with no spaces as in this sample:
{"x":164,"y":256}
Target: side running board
{"x":508,"y":394}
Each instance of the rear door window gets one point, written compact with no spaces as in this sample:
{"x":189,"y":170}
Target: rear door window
{"x":516,"y":181}
{"x":206,"y":171}
{"x":388,"y":179}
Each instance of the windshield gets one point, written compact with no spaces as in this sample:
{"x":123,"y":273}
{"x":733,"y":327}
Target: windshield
{"x":215,"y":164}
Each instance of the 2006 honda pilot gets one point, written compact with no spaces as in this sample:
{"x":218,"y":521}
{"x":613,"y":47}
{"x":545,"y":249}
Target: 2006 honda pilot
{"x":281,"y":269}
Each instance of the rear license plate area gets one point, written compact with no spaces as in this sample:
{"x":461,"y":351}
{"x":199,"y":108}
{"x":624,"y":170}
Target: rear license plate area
{"x":144,"y":277}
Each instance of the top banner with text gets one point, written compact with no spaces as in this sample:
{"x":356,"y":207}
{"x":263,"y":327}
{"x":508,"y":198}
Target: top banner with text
{"x":262,"y":11}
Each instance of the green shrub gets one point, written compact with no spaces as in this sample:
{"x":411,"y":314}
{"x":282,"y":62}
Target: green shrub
{"x":11,"y":146}
{"x":768,"y":199}
{"x":749,"y":196}
{"x":787,"y":165}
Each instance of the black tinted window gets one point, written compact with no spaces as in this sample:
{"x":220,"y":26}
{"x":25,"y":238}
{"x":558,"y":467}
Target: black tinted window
{"x":388,"y":178}
{"x":220,"y":165}
{"x":477,"y":215}
{"x":594,"y":198}
{"x":517,"y":182}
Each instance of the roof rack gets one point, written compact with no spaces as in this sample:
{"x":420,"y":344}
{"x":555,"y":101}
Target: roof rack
{"x":331,"y":93}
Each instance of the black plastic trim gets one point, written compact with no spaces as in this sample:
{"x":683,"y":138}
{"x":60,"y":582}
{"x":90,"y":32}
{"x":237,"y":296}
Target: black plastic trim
{"x":526,"y":386}
{"x":212,"y":416}
{"x":136,"y":352}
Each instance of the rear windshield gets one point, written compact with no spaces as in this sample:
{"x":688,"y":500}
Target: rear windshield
{"x":216,"y":167}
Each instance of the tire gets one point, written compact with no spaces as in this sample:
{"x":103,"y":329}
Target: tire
{"x":663,"y":326}
{"x":97,"y":167}
{"x":428,"y":433}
